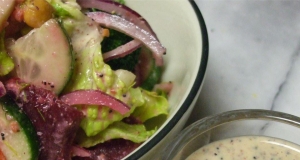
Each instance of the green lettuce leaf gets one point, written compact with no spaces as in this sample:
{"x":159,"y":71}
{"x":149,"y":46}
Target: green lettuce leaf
{"x":154,"y":106}
{"x":90,"y":72}
{"x":120,"y":1}
{"x":6,"y":62}
{"x":66,"y":8}
{"x":134,"y":133}
{"x":99,"y":118}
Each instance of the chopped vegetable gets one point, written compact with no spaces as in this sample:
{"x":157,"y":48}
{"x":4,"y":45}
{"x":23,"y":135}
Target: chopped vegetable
{"x":126,"y":58}
{"x":2,"y":90}
{"x":18,"y":136}
{"x":111,"y":150}
{"x":37,"y":12}
{"x":121,"y":54}
{"x":6,"y":9}
{"x":95,"y":97}
{"x":124,"y":26}
{"x":34,"y":58}
{"x":81,"y":84}
{"x":135,"y":133}
{"x":55,"y":122}
{"x":148,"y":73}
{"x":66,"y":8}
{"x":113,"y":7}
{"x":6,"y":63}
{"x":120,"y":1}
{"x":154,"y":106}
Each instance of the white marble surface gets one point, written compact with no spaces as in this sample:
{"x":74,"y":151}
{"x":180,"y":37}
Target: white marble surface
{"x":254,"y":56}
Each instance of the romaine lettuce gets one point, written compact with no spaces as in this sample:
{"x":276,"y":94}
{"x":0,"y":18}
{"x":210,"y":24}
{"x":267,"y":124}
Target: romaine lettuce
{"x":90,"y":72}
{"x":135,"y":133}
{"x":6,"y":62}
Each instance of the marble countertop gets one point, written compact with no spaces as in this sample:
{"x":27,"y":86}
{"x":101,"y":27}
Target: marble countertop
{"x":254,"y":56}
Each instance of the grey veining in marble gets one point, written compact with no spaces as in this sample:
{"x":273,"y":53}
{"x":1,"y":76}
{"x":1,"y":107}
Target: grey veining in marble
{"x":254,"y":56}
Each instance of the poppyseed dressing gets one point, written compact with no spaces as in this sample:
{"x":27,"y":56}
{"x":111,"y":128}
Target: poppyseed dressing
{"x":248,"y":148}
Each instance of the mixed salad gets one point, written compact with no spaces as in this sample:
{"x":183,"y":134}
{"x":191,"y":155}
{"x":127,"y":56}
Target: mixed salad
{"x":78,"y":80}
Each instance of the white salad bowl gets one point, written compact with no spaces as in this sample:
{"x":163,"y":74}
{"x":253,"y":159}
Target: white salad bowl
{"x":180,"y":27}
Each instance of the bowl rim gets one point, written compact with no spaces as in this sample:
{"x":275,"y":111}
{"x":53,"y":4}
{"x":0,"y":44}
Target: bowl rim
{"x":191,"y":96}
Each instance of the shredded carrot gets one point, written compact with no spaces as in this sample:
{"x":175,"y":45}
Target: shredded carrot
{"x":14,"y":126}
{"x":105,"y":32}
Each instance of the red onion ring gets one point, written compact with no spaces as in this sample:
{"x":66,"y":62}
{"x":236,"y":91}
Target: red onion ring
{"x":130,"y":29}
{"x":165,"y":86}
{"x":80,"y":152}
{"x":121,"y":10}
{"x":2,"y":90}
{"x":95,"y":97}
{"x":122,"y":51}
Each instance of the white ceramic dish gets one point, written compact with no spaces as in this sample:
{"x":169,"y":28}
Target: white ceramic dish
{"x":180,"y":27}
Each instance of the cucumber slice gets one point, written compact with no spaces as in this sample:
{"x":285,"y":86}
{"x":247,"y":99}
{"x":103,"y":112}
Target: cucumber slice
{"x":18,"y":137}
{"x":43,"y":57}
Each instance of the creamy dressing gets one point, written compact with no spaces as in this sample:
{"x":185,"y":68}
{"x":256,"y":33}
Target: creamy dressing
{"x":248,"y":148}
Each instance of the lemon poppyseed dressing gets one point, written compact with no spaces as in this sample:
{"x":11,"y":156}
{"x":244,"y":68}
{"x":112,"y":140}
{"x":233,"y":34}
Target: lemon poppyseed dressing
{"x":248,"y":148}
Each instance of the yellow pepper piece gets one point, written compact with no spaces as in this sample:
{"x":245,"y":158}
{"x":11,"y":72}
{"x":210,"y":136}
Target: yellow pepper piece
{"x":37,"y":12}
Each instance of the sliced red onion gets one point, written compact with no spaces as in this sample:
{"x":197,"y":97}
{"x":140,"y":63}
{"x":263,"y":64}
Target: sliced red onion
{"x":2,"y":90}
{"x":113,"y":7}
{"x":144,"y":66}
{"x":95,"y":97}
{"x":80,"y":152}
{"x":130,"y":29}
{"x":122,"y":51}
{"x":139,"y":78}
{"x":165,"y":86}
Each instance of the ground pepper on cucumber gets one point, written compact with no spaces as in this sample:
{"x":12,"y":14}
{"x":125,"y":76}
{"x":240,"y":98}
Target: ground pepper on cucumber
{"x":79,"y":79}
